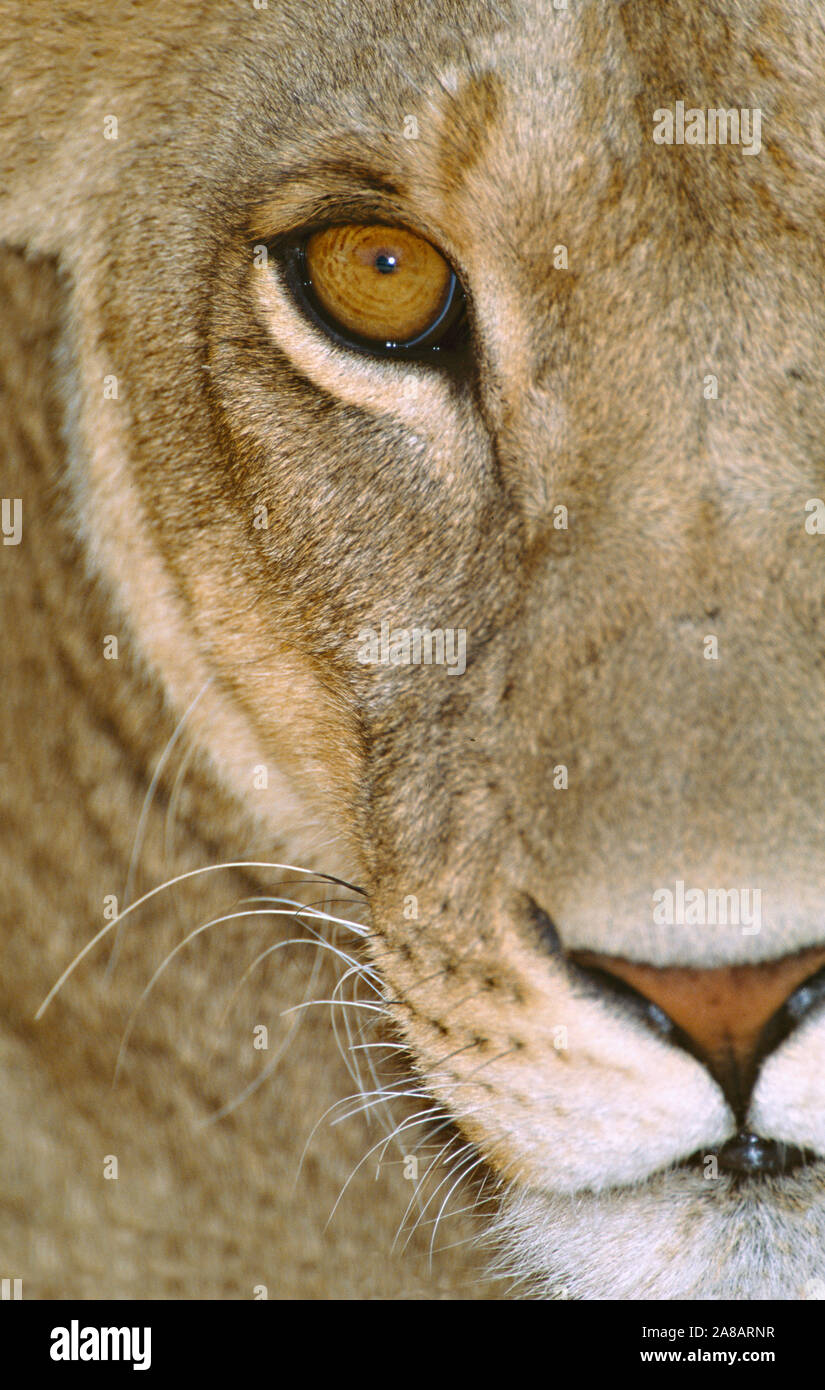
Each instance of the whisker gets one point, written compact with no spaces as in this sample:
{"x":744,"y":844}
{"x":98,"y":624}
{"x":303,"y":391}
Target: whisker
{"x":329,"y":1110}
{"x":140,"y":832}
{"x":447,"y":1121}
{"x":314,"y":940}
{"x":214,"y":922}
{"x":368,"y":1099}
{"x":350,"y":1060}
{"x":180,"y":878}
{"x":363,"y":1102}
{"x":298,"y":882}
{"x":404,"y":1124}
{"x":252,"y":1086}
{"x":463,"y":1175}
{"x":450,"y":1166}
{"x":417,"y":1193}
{"x":343,"y":1003}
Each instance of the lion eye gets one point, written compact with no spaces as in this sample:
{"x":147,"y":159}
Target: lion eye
{"x":380,"y":287}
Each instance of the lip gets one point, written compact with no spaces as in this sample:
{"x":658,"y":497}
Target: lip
{"x":748,"y":1155}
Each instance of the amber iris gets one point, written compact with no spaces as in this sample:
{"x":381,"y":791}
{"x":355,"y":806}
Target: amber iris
{"x":382,"y":283}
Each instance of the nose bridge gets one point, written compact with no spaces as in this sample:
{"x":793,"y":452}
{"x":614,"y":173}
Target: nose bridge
{"x":675,"y":673}
{"x":655,"y":390}
{"x":663,"y":448}
{"x":668,"y":485}
{"x":691,"y":743}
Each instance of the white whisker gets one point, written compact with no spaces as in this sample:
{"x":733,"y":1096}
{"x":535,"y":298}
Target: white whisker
{"x":342,"y":1003}
{"x":463,"y":1175}
{"x":214,"y":922}
{"x":140,"y":833}
{"x":314,"y":940}
{"x":441,"y":1157}
{"x":181,"y":878}
{"x":417,"y":1193}
{"x":385,"y":1142}
{"x":252,"y":1086}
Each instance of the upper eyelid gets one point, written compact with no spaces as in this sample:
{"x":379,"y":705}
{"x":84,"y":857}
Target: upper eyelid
{"x":299,"y":219}
{"x":326,"y":211}
{"x":324,"y":188}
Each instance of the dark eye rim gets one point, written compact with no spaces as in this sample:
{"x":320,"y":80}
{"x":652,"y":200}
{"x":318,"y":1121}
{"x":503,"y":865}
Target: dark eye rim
{"x":442,"y":343}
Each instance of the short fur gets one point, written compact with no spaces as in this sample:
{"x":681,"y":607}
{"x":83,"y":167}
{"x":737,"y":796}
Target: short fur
{"x":394,"y":491}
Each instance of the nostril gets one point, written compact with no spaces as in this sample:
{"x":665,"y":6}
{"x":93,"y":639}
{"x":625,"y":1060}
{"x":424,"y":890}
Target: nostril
{"x":601,"y":981}
{"x":544,"y":927}
{"x":729,"y":1017}
{"x":604,"y":982}
{"x":801,"y":1003}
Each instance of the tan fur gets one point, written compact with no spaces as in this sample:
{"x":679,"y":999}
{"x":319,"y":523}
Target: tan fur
{"x":396,"y":492}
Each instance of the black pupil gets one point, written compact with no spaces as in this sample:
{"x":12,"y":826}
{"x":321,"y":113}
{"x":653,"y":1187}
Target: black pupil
{"x":385,"y":262}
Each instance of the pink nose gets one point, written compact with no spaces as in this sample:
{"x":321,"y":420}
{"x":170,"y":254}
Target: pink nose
{"x":723,"y":1011}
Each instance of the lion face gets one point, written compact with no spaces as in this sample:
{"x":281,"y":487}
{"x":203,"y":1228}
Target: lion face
{"x":587,"y":799}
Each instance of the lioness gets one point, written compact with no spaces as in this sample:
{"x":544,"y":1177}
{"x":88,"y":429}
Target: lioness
{"x":414,"y":569}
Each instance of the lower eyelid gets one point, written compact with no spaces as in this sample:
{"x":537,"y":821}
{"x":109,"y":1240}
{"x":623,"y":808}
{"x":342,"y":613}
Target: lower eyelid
{"x":403,"y":390}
